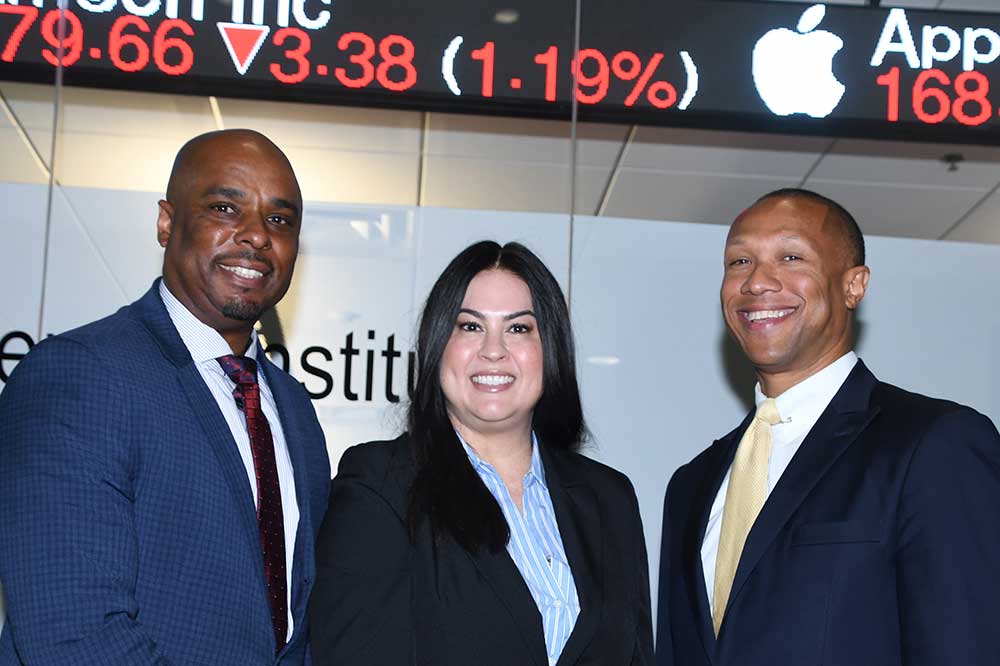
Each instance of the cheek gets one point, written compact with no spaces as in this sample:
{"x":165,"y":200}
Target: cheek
{"x":286,"y":252}
{"x":531,"y":362}
{"x":732,"y":283}
{"x":816,"y":293}
{"x":454,"y":359}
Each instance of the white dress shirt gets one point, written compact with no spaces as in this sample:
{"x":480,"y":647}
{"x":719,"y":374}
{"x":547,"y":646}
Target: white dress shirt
{"x":799,"y":407}
{"x":205,"y":345}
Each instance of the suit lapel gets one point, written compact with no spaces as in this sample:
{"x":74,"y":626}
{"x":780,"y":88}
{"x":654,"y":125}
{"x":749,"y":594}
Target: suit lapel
{"x":578,"y":516}
{"x":505,"y":579}
{"x":220,"y":438}
{"x":720,"y":458}
{"x":303,"y":567}
{"x":838,"y":427}
{"x":151,"y":311}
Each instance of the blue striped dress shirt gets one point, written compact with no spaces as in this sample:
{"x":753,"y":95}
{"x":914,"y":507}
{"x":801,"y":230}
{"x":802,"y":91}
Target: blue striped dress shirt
{"x":536,"y":547}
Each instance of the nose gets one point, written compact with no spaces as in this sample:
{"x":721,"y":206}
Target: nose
{"x":253,"y":231}
{"x":762,"y":279}
{"x":493,"y":348}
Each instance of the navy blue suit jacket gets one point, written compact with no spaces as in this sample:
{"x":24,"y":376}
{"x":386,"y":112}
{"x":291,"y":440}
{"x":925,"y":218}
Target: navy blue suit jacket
{"x":128,"y":533}
{"x":879,"y":545}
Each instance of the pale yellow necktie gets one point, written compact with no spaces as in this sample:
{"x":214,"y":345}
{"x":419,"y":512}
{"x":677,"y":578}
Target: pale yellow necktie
{"x":744,"y":499}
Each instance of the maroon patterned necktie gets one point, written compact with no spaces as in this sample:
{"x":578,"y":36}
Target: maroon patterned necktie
{"x":270,"y":520}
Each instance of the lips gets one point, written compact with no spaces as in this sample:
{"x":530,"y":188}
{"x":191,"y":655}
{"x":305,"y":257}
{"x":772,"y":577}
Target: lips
{"x":766,"y":315}
{"x":248,"y":273}
{"x":492,"y":382}
{"x":761,"y":318}
{"x":246,"y":267}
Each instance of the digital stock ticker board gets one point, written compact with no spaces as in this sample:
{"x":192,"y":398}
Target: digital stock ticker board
{"x":723,"y":64}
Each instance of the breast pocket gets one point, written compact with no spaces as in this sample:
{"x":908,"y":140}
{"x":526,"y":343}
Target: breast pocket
{"x":846,"y":531}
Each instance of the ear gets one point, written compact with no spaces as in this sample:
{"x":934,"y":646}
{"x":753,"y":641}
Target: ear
{"x":164,"y":222}
{"x":855,"y":285}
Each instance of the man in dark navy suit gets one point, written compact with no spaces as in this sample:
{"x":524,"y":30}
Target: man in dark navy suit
{"x":161,"y":481}
{"x":845,"y":522}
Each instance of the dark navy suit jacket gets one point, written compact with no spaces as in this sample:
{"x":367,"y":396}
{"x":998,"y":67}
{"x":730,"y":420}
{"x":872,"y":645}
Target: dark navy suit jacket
{"x":879,"y":545}
{"x":128,"y":533}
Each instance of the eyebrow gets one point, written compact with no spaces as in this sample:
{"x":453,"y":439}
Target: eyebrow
{"x":285,"y":203}
{"x":231,"y":192}
{"x":506,"y":317}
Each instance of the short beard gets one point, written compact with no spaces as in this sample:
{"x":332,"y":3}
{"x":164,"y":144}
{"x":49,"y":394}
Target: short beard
{"x":241,"y":310}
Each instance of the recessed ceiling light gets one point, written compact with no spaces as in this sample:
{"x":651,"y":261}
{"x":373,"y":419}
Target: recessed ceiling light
{"x":506,"y":16}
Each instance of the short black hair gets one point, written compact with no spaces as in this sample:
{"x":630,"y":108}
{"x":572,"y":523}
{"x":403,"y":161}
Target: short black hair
{"x":447,"y":492}
{"x":848,"y":225}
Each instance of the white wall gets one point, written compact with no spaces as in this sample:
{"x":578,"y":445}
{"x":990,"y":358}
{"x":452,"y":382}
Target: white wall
{"x":659,"y":378}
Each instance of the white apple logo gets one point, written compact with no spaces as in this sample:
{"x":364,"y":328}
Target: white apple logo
{"x":793,"y":71}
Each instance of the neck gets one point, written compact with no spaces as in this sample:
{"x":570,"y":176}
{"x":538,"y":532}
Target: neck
{"x":508,"y":451}
{"x":238,"y":340}
{"x":773,"y":384}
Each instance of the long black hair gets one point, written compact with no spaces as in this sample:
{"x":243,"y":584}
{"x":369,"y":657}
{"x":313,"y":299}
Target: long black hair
{"x":447,"y":492}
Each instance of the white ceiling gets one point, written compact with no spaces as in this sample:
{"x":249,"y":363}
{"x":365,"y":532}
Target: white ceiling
{"x":127,"y":140}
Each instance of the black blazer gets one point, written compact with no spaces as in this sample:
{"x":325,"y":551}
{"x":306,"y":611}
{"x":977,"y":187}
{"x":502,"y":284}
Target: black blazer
{"x":380,"y":600}
{"x":879,"y":545}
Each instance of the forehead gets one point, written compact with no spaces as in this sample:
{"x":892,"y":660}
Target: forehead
{"x":801,"y":219}
{"x":497,"y":290}
{"x":222,"y":160}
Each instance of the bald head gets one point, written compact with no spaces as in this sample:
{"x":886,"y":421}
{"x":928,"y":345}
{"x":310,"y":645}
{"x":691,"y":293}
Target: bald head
{"x":206,"y":150}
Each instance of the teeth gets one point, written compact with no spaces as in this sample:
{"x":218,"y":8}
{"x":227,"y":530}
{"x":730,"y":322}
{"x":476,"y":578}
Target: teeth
{"x":767,"y":314}
{"x":492,"y":380}
{"x":248,"y":273}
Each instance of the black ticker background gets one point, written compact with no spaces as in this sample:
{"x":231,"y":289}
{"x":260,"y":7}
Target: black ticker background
{"x":719,"y":35}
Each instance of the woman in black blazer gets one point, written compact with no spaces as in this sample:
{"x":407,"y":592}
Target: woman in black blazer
{"x":480,"y":538}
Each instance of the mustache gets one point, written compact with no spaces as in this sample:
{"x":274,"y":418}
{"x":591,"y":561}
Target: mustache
{"x":248,"y":255}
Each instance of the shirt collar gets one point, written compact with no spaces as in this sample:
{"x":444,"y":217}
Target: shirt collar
{"x":203,"y":342}
{"x":801,"y":405}
{"x":536,"y":471}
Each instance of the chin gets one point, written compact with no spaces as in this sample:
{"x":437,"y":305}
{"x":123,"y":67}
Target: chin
{"x":498,"y":422}
{"x":242,"y":309}
{"x":765,"y":358}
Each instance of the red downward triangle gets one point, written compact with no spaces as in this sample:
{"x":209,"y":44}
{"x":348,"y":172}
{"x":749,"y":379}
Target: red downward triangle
{"x":243,"y":42}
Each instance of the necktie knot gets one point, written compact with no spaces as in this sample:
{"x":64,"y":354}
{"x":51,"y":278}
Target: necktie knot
{"x":241,"y":369}
{"x":767,"y":412}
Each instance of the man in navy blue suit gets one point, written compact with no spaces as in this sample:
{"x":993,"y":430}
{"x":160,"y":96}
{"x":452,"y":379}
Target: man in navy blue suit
{"x":845,"y":522}
{"x":161,"y":481}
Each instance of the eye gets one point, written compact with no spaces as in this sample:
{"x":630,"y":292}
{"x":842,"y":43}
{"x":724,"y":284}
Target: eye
{"x":520,"y":328}
{"x":224,"y":208}
{"x":280,"y":220}
{"x":469,"y":326}
{"x":739,"y":262}
{"x":791,"y":257}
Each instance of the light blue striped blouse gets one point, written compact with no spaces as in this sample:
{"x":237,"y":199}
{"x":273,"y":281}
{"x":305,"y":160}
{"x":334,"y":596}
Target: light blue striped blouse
{"x":537,"y":549}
